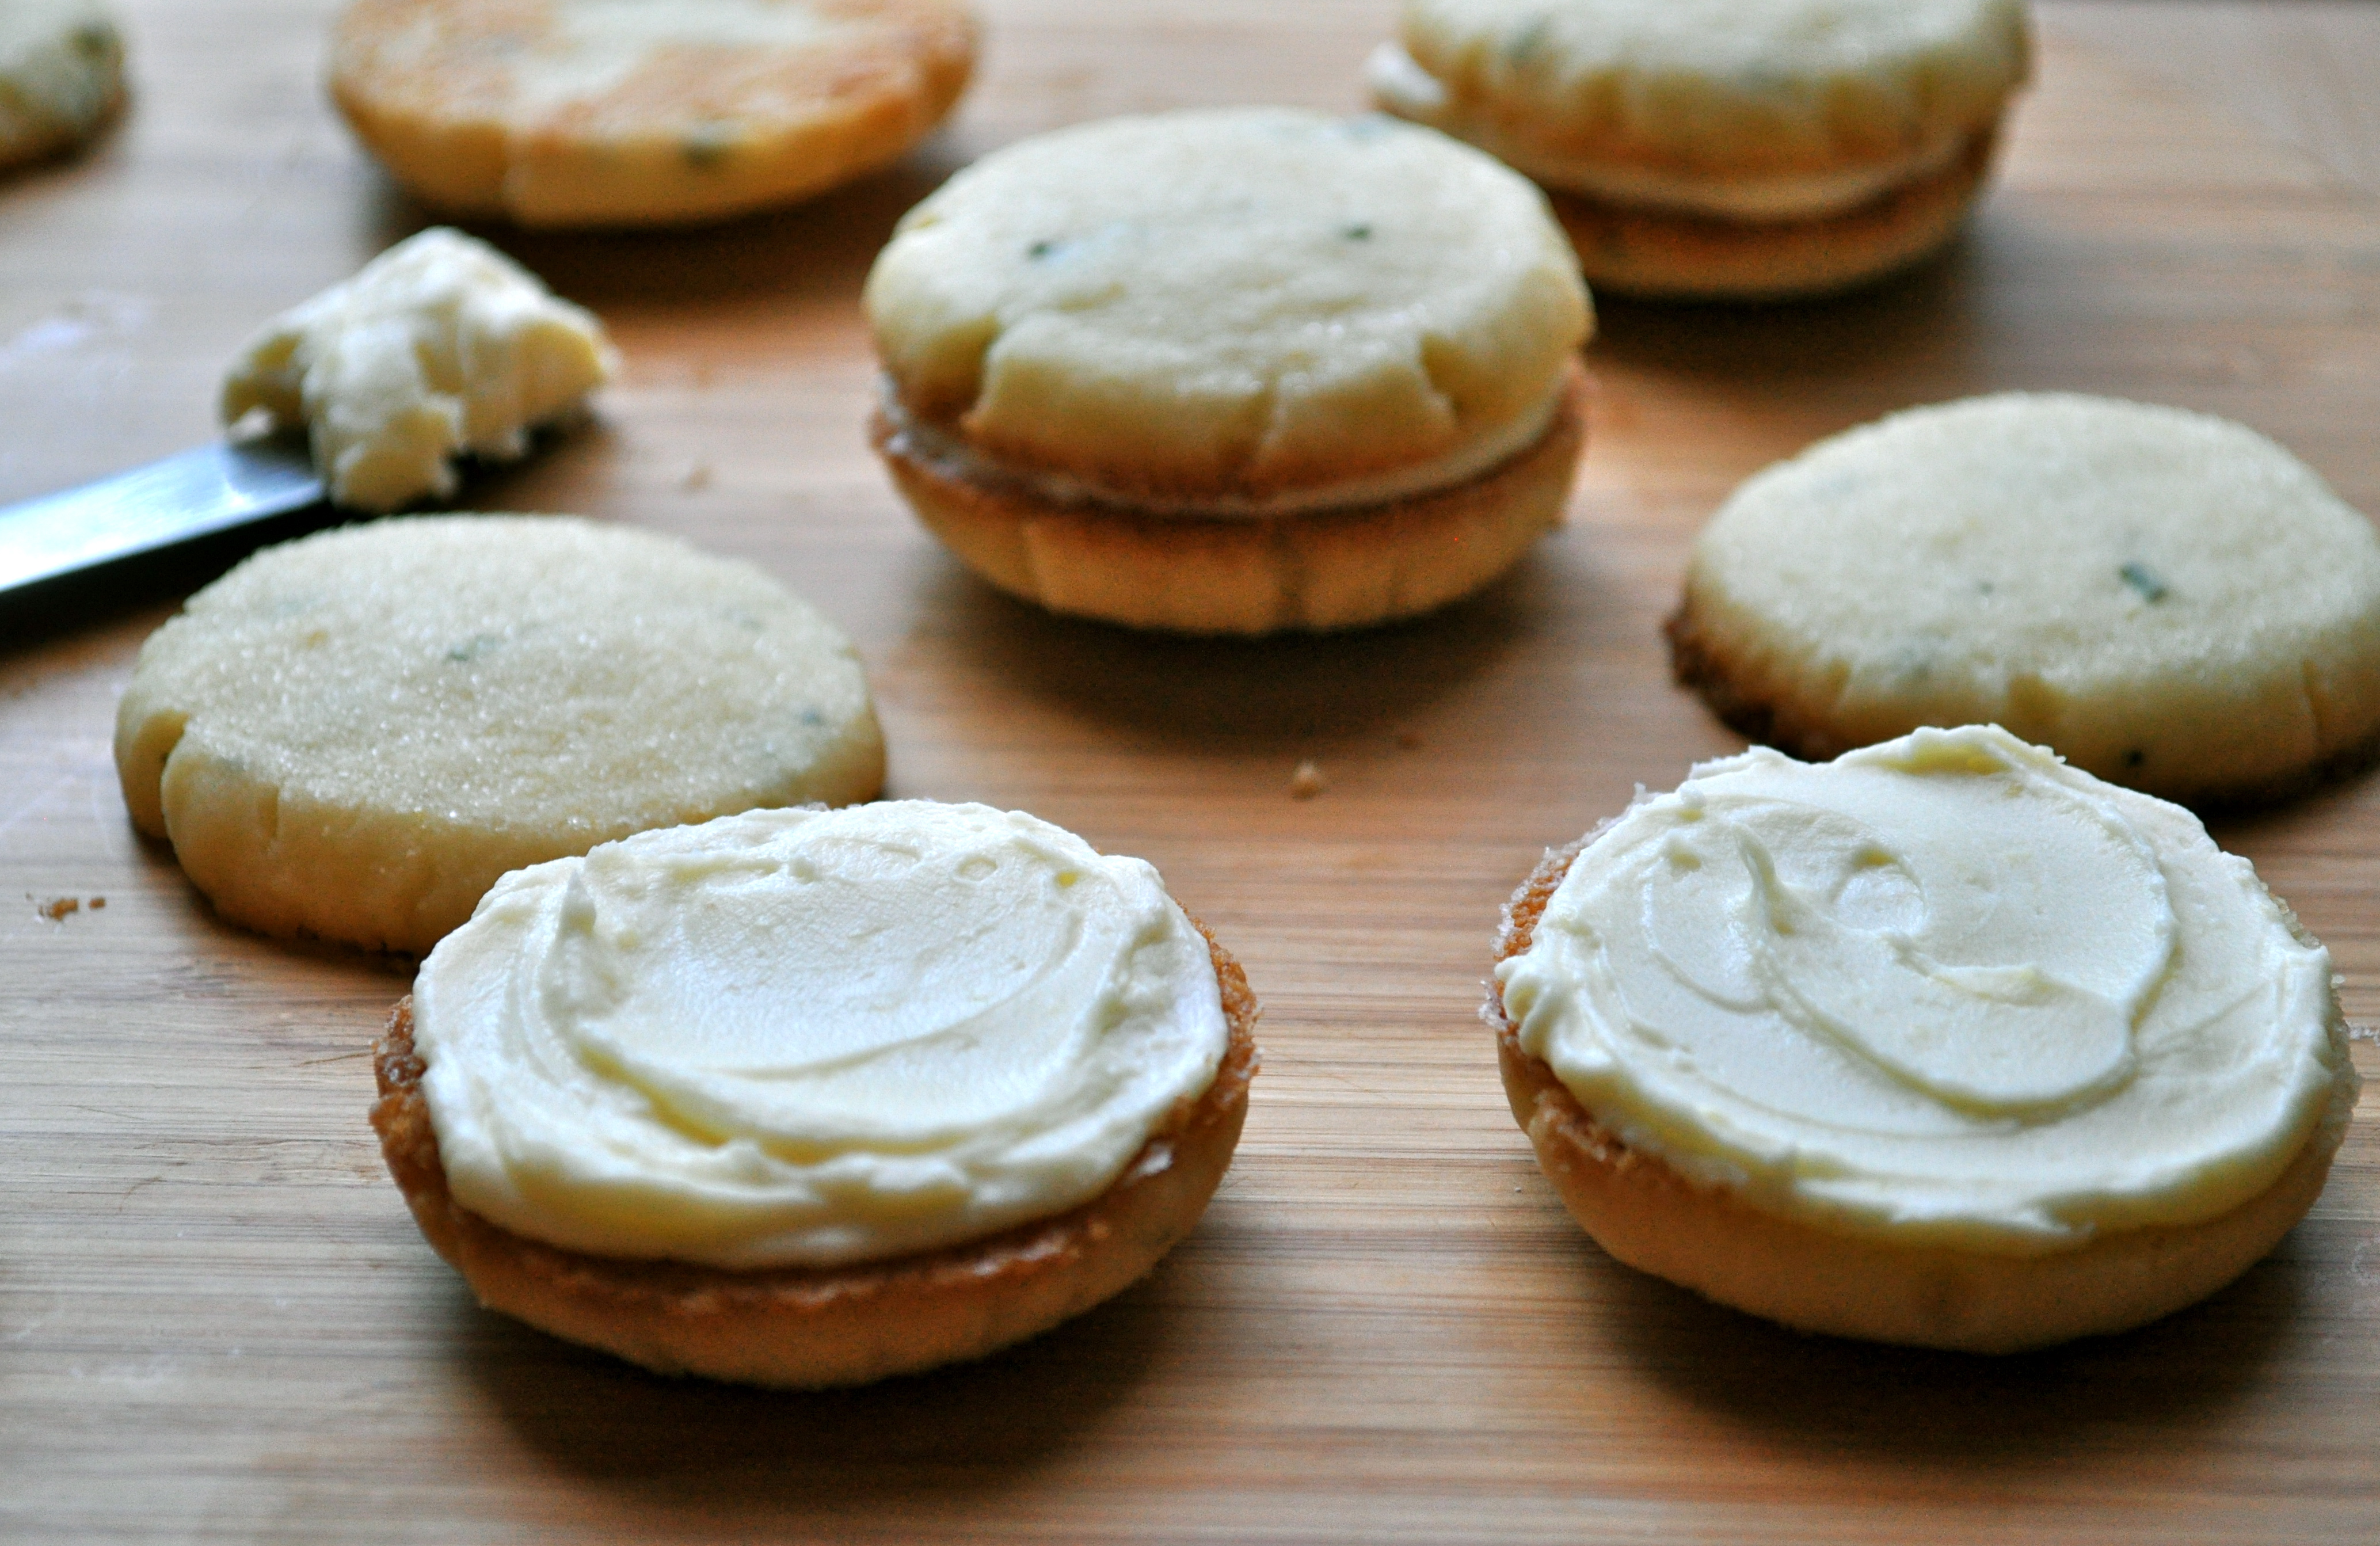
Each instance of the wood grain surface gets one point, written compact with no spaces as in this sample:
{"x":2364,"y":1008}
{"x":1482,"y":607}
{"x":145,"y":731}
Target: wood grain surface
{"x":217,"y":1323}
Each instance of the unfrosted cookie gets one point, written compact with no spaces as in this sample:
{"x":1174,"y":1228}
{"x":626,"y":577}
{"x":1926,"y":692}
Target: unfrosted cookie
{"x":1724,"y":148}
{"x":1232,"y":371}
{"x":809,"y":1097}
{"x":1943,"y":1044}
{"x":353,"y":734}
{"x":2168,"y":599}
{"x":61,"y":76}
{"x":440,"y":346}
{"x":642,"y":112}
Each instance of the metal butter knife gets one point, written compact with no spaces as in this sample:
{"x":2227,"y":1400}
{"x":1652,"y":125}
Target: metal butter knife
{"x":193,"y":494}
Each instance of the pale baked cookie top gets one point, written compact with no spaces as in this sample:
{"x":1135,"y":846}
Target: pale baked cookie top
{"x":354,"y":734}
{"x":61,"y":75}
{"x":2168,"y":599}
{"x":1717,"y":86}
{"x":1229,"y":303}
{"x":572,"y":112}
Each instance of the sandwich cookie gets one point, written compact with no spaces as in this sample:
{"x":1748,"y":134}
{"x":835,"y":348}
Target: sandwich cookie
{"x":352,"y":735}
{"x":810,"y":1098}
{"x":1232,"y":371}
{"x":1943,"y":1044}
{"x":1724,"y":149}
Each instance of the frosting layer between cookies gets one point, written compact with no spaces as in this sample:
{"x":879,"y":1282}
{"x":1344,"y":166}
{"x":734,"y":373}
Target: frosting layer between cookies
{"x":439,"y":346}
{"x":950,"y":456}
{"x":803,"y":1037}
{"x":1945,"y":989}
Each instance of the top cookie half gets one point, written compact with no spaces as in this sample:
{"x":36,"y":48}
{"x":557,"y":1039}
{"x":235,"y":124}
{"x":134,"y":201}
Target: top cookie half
{"x":642,"y":112}
{"x":1231,"y":306}
{"x":1756,"y":109}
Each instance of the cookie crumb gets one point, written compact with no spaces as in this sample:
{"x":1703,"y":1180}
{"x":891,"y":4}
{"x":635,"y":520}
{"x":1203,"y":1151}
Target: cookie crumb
{"x":2362,"y":1033}
{"x":1307,"y":781}
{"x":56,"y":908}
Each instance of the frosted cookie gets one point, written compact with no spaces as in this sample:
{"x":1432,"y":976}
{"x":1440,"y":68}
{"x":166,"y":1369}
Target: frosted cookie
{"x":1942,"y":1044}
{"x":1232,"y":371}
{"x":808,"y":1098}
{"x":354,"y":735}
{"x":440,"y":346}
{"x":61,"y":76}
{"x":642,"y":112}
{"x":2169,"y":600}
{"x":1741,"y":149}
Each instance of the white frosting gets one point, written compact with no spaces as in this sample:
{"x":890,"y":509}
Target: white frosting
{"x":1400,"y":84}
{"x":805,"y":1037}
{"x":954,"y":459}
{"x":439,"y":346}
{"x":1942,"y":990}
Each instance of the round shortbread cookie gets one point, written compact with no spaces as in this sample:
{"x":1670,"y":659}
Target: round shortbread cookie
{"x":1714,"y":147}
{"x":354,"y":735}
{"x":638,"y":112}
{"x":2169,"y":600}
{"x":1230,"y":312}
{"x":61,"y":76}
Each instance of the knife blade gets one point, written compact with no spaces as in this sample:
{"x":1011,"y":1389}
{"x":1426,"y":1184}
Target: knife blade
{"x":192,"y":493}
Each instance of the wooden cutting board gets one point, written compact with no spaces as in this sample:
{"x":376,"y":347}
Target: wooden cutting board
{"x":217,"y":1323}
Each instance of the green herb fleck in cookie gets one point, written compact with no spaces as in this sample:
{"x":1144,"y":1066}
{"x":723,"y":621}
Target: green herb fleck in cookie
{"x":709,"y":144}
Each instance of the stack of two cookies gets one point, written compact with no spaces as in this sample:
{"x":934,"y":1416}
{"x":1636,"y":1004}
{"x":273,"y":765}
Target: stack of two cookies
{"x":1232,"y":371}
{"x":1725,"y":148}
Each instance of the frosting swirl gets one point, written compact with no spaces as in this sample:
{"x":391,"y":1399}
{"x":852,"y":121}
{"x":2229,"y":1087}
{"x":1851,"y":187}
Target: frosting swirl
{"x":1945,"y":989}
{"x":810,"y":1036}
